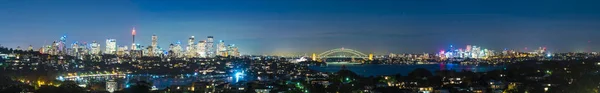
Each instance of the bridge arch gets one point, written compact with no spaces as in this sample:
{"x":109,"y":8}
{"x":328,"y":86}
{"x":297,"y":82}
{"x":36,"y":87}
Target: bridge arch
{"x":357,"y":54}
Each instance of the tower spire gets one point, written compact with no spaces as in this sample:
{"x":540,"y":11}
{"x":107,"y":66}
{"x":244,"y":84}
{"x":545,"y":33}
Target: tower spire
{"x":133,"y":46}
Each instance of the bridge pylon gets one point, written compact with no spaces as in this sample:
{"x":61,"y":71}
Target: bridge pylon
{"x":371,"y":56}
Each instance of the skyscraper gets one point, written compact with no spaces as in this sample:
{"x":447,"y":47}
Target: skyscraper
{"x":171,"y":52}
{"x":153,"y":48}
{"x":62,"y":47}
{"x":232,"y":50}
{"x":121,"y":51}
{"x":209,"y":47}
{"x":54,"y":48}
{"x":133,"y":46}
{"x":76,"y":49}
{"x":95,"y":48}
{"x":175,"y":50}
{"x":111,"y":46}
{"x":221,"y":48}
{"x":191,"y":48}
{"x":201,"y":48}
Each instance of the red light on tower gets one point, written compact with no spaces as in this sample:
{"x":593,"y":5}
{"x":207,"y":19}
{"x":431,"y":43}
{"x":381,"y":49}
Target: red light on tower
{"x":133,"y":31}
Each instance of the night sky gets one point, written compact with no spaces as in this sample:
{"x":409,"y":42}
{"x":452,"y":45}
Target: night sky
{"x":311,"y":26}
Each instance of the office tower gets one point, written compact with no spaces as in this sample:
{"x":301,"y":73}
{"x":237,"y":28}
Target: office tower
{"x":121,"y":50}
{"x":221,"y":48}
{"x":84,"y":48}
{"x":178,"y":50}
{"x":62,"y":47}
{"x":476,"y":52}
{"x":153,"y":48}
{"x":133,"y":45}
{"x":209,"y":47}
{"x":75,"y":49}
{"x":171,"y":52}
{"x":201,"y":48}
{"x":111,"y":46}
{"x":232,"y":50}
{"x":235,"y":51}
{"x":53,"y":50}
{"x":191,"y":48}
{"x":111,"y":86}
{"x":175,"y":50}
{"x":95,"y":48}
{"x":229,"y":50}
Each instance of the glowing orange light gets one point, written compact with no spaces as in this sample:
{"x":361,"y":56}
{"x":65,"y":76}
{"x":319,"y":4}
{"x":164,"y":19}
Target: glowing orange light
{"x":133,"y":31}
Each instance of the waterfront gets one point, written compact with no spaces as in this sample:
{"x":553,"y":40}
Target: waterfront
{"x":381,"y":69}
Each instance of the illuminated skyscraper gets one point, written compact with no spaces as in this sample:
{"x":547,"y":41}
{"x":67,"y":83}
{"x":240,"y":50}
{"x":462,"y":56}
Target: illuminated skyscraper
{"x":221,"y":48}
{"x":53,"y":50}
{"x":61,"y":45}
{"x":95,"y":48}
{"x":175,"y":50}
{"x":111,"y":46}
{"x":84,"y":48}
{"x":75,"y":49}
{"x":209,"y":47}
{"x":191,"y":48}
{"x":133,"y":45}
{"x":122,"y":51}
{"x":232,"y":50}
{"x":201,"y":49}
{"x":171,"y":52}
{"x":153,"y":48}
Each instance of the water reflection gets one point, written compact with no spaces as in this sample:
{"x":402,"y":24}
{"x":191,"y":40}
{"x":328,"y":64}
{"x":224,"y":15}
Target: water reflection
{"x":378,"y":69}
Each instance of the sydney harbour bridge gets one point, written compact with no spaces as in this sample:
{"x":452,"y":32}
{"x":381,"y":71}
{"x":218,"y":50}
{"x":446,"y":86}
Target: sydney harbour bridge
{"x":342,"y":55}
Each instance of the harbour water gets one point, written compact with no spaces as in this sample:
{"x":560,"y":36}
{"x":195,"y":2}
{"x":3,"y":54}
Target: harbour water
{"x":381,"y":69}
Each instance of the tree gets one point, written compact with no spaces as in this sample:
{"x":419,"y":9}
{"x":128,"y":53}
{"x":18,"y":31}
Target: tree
{"x":419,"y":73}
{"x":140,"y":87}
{"x":70,"y":87}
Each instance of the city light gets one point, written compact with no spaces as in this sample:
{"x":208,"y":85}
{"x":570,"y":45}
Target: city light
{"x":299,"y":46}
{"x":238,"y":75}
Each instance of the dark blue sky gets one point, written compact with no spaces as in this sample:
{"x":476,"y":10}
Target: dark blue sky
{"x":307,"y":26}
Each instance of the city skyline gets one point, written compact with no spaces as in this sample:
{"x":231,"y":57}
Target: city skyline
{"x":285,"y":27}
{"x":299,"y":46}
